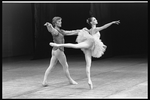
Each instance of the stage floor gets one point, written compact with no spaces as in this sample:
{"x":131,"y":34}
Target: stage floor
{"x":116,"y":77}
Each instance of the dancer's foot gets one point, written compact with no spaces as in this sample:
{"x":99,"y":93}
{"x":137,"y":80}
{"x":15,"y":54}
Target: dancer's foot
{"x":73,"y":82}
{"x":90,"y":85}
{"x":44,"y":84}
{"x":53,"y":44}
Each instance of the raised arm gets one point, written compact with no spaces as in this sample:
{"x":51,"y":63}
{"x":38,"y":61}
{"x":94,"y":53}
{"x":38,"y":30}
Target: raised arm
{"x":107,"y":25}
{"x":50,"y":28}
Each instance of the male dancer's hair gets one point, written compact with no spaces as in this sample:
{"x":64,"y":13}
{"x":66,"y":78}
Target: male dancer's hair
{"x":55,"y":19}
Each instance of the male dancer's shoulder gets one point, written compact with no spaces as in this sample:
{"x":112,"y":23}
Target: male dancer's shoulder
{"x":62,"y":31}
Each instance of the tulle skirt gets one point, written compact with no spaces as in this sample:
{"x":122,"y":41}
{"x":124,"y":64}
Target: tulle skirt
{"x":97,"y":47}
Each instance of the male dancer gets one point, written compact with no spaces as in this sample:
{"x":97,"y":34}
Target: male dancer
{"x":58,"y":52}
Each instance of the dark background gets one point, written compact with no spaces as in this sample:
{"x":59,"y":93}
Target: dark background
{"x":23,"y":33}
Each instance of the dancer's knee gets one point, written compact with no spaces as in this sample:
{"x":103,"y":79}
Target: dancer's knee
{"x":49,"y":68}
{"x":87,"y":70}
{"x":88,"y":65}
{"x":65,"y":66}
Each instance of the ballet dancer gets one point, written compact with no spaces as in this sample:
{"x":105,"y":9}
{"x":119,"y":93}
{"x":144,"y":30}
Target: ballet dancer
{"x":58,"y":52}
{"x":90,"y":43}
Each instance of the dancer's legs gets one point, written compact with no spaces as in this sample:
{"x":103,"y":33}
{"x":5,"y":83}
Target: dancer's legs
{"x":88,"y":66}
{"x":53,"y":61}
{"x":62,"y":59}
{"x":82,"y":45}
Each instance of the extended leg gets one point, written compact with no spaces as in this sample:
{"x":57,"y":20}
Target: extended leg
{"x":88,"y":66}
{"x":53,"y":61}
{"x":63,"y":61}
{"x":82,"y":45}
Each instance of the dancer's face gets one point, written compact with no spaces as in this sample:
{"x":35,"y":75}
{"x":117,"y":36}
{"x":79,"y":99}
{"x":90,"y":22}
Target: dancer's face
{"x":58,"y":23}
{"x":94,"y":21}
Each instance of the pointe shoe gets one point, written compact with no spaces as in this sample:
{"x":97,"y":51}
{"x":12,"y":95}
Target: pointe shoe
{"x":53,"y":44}
{"x":90,"y":85}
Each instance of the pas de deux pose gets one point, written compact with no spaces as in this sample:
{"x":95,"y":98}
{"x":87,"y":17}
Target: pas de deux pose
{"x":90,"y":43}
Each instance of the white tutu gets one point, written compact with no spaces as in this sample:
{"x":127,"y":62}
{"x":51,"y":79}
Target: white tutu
{"x":83,"y":35}
{"x":98,"y":48}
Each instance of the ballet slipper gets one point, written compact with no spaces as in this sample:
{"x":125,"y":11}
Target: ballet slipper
{"x":90,"y":85}
{"x":73,"y":82}
{"x":44,"y":84}
{"x":53,"y":44}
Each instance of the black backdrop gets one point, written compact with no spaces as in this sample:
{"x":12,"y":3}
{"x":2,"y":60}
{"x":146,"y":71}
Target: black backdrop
{"x":130,"y":37}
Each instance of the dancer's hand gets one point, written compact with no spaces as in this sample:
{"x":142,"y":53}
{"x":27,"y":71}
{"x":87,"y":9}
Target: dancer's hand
{"x":47,"y":23}
{"x":116,"y":22}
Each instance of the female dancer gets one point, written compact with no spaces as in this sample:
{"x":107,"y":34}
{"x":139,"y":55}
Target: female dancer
{"x":90,"y":44}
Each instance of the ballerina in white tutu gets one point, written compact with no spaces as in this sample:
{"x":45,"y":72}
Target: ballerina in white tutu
{"x":90,"y":43}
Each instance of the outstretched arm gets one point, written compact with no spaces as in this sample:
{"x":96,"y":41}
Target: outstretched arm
{"x":50,"y":28}
{"x":107,"y":25}
{"x":73,"y":32}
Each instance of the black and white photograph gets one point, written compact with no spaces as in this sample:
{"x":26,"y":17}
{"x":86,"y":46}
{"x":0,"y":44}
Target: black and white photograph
{"x":74,"y":49}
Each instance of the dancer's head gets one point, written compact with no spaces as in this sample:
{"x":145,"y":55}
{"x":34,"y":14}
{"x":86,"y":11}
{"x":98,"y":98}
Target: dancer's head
{"x":92,"y":21}
{"x":56,"y":21}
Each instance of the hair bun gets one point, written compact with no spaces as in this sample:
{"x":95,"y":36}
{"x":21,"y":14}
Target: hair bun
{"x":87,"y":21}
